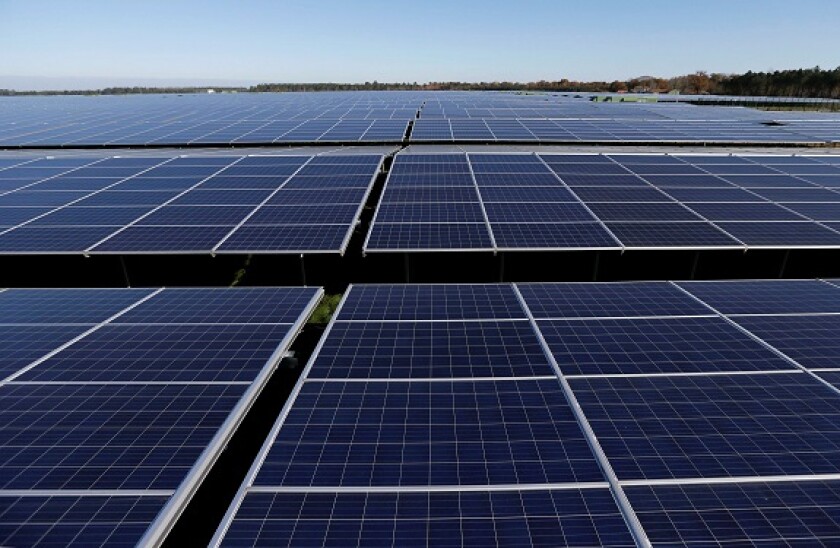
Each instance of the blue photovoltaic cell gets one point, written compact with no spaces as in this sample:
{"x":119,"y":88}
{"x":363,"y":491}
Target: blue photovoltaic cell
{"x":782,"y":234}
{"x":537,"y":213}
{"x":819,"y":211}
{"x":527,"y":194}
{"x":714,"y":426}
{"x":396,"y":350}
{"x":689,"y":195}
{"x":431,"y":302}
{"x":568,"y":517}
{"x":20,"y":345}
{"x":805,"y":513}
{"x":686,"y":182}
{"x":222,"y":197}
{"x":553,"y":235}
{"x":653,"y":345}
{"x":164,"y":352}
{"x":304,"y":215}
{"x":27,"y":198}
{"x":832,"y":377}
{"x":429,"y":236}
{"x":225,"y":305}
{"x":163,"y":239}
{"x":196,"y":215}
{"x":65,"y":305}
{"x":745,"y":212}
{"x":798,"y":194}
{"x":589,"y":300}
{"x":642,"y":212}
{"x":619,"y":194}
{"x":92,"y":216}
{"x":767,"y":297}
{"x":672,"y":234}
{"x":10,"y":216}
{"x":75,"y":183}
{"x":318,"y":197}
{"x":417,"y":194}
{"x":138,"y":198}
{"x":396,"y":180}
{"x":429,"y":433}
{"x":456,"y":212}
{"x":43,"y":239}
{"x":587,"y":180}
{"x":813,"y":341}
{"x":486,"y":180}
{"x":76,"y":521}
{"x":268,"y":238}
{"x":107,"y":436}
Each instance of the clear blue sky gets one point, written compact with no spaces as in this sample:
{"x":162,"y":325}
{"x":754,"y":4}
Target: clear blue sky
{"x":63,"y":42}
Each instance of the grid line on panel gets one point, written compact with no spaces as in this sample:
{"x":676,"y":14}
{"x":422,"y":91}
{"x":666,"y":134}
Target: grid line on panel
{"x":621,"y":499}
{"x":481,"y":204}
{"x":84,"y":334}
{"x":159,"y":206}
{"x":261,"y":204}
{"x":580,"y":201}
{"x":761,"y":341}
{"x":85,"y":196}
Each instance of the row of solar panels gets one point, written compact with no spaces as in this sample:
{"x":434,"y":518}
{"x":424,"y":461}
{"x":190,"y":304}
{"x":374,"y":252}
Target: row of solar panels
{"x":477,"y":130}
{"x":530,"y":414}
{"x":109,"y":133}
{"x":509,"y":202}
{"x":619,"y":131}
{"x":431,"y":202}
{"x":252,"y":204}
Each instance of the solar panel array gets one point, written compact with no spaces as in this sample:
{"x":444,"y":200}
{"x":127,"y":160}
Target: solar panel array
{"x":696,"y":413}
{"x":114,"y":403}
{"x":510,"y":202}
{"x":383,"y":117}
{"x":198,"y":204}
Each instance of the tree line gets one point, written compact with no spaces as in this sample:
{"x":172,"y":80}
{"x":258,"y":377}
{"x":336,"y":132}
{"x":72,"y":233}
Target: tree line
{"x":814,"y":82}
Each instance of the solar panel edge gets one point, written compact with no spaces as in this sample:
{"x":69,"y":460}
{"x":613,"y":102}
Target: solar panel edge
{"x":167,"y":517}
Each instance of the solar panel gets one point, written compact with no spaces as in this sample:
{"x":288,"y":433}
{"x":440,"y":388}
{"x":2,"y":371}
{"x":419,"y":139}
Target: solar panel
{"x":729,"y":426}
{"x":199,"y":205}
{"x":584,"y":517}
{"x":783,"y":513}
{"x":767,"y":297}
{"x":115,"y":402}
{"x":62,"y":520}
{"x":654,"y":345}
